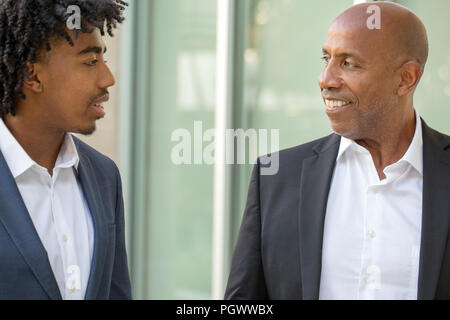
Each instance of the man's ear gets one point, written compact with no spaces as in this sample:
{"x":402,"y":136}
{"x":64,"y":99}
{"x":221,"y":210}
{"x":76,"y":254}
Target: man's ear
{"x":410,"y":74}
{"x":31,"y":80}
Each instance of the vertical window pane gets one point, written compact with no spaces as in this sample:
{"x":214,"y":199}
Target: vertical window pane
{"x":180,"y":196}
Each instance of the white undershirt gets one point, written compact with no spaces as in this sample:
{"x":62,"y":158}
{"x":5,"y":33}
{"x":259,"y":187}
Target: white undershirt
{"x":372,"y":231}
{"x":58,"y":209}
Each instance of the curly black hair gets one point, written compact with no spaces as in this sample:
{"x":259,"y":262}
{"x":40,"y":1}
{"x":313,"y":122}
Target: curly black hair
{"x":26,"y":27}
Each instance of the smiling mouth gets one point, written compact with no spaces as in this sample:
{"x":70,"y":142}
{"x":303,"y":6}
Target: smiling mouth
{"x":336,"y":104}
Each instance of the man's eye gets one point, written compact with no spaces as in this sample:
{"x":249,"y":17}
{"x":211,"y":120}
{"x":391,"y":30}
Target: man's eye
{"x":325,"y":59}
{"x":349,"y":64}
{"x":91,"y":63}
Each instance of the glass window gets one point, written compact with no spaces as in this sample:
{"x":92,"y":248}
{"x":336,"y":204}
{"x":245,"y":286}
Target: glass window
{"x":432,"y":99}
{"x":171,"y":232}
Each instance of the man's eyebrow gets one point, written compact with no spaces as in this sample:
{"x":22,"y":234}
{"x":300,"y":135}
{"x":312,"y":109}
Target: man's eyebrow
{"x":344,"y":54}
{"x":92,"y":49}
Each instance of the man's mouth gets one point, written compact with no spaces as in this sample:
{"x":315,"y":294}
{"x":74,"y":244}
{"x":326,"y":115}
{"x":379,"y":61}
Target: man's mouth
{"x":98,"y":106}
{"x":333,"y":104}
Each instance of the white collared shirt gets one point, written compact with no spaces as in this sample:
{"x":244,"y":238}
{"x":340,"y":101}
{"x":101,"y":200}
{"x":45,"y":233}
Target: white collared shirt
{"x":372,"y":231}
{"x":58,"y":209}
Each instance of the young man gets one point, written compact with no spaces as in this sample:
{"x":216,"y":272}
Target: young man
{"x":61,"y":207}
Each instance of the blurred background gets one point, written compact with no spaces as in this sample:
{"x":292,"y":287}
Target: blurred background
{"x":228,"y":63}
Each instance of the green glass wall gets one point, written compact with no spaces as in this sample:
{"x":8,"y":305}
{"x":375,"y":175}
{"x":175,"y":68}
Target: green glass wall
{"x":433,"y":94}
{"x":171,"y":53}
{"x":170,"y":205}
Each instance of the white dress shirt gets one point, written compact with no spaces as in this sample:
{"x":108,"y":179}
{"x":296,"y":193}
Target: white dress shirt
{"x":58,"y":210}
{"x":372,"y":231}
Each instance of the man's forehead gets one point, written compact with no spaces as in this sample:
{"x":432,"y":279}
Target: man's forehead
{"x":82,"y":41}
{"x":345,"y":38}
{"x":337,"y":42}
{"x":340,"y":51}
{"x":93,"y":39}
{"x":356,"y":30}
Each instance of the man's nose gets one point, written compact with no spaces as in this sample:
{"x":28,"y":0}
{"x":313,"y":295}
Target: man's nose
{"x":107,"y":79}
{"x":330,"y":78}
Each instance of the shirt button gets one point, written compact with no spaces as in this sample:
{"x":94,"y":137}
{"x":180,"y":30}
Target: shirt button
{"x":372,"y":234}
{"x":65,"y":238}
{"x":366,"y":280}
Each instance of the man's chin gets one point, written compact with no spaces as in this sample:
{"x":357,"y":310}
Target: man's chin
{"x":86,"y":131}
{"x":344,"y":131}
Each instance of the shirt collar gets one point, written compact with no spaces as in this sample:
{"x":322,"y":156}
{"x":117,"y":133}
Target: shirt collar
{"x":414,"y":154}
{"x":19,"y":161}
{"x":68,"y":154}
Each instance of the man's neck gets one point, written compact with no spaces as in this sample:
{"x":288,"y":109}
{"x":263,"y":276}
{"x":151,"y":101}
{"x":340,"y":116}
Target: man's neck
{"x":390,"y":146}
{"x":40,"y":144}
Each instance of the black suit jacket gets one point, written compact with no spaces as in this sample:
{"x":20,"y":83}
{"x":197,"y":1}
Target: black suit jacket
{"x":278,"y":254}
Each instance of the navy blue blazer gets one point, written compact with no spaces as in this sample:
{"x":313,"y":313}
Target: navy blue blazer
{"x":25,"y":271}
{"x":278,"y":254}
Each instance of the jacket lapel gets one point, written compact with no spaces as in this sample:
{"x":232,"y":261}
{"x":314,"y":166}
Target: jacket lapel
{"x":316,"y":177}
{"x":17,"y":222}
{"x":91,"y":191}
{"x":435,"y":210}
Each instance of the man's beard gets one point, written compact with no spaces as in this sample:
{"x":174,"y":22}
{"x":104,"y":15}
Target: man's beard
{"x":371,"y":122}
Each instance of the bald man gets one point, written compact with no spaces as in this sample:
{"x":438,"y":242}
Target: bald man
{"x":365,"y":212}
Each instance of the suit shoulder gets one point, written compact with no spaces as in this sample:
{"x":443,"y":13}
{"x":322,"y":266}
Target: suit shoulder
{"x":445,"y":138}
{"x":307,"y":149}
{"x":435,"y":136}
{"x":287,"y":163}
{"x":441,"y":136}
{"x":97,"y":159}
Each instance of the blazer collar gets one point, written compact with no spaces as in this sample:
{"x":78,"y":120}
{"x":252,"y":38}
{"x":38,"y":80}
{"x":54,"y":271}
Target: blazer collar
{"x":314,"y":188}
{"x":87,"y":175}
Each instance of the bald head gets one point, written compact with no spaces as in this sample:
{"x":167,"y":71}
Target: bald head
{"x":402,"y":36}
{"x":374,"y":59}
